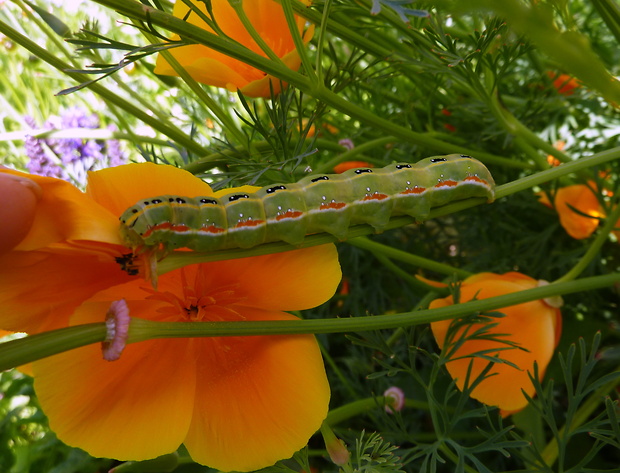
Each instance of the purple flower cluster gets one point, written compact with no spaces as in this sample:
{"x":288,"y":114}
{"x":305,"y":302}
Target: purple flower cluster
{"x":67,"y":158}
{"x":41,"y":162}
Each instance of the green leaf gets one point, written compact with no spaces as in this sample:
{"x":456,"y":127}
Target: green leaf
{"x":55,"y":23}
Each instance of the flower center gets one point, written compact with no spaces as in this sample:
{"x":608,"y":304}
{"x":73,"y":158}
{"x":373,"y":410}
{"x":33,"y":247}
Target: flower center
{"x":197,"y":302}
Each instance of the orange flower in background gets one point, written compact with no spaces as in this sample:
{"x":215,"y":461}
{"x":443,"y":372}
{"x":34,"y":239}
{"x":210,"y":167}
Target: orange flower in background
{"x":342,"y":167}
{"x":564,"y":84}
{"x":214,"y":68}
{"x":582,"y":198}
{"x":552,"y":160}
{"x":268,"y":394}
{"x":535,"y":326}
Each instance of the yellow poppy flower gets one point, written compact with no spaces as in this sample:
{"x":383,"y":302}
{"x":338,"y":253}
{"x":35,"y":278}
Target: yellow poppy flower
{"x":535,"y":326}
{"x":211,"y":67}
{"x":582,"y":198}
{"x":237,"y":403}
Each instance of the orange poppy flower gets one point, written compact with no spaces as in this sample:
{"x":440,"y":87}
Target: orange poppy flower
{"x":73,"y":232}
{"x":266,"y":393}
{"x":342,"y":167}
{"x":552,"y":160}
{"x":582,"y":198}
{"x":214,"y":68}
{"x":564,"y":84}
{"x":535,"y":326}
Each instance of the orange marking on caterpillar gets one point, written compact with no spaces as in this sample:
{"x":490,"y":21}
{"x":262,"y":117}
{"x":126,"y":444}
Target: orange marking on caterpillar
{"x":375,"y":197}
{"x":476,"y":179}
{"x":448,"y":183}
{"x":249,"y":223}
{"x":289,"y":214}
{"x":155,"y":228}
{"x":181,"y":228}
{"x":415,"y":190}
{"x":333,"y":206}
{"x":212,"y":229}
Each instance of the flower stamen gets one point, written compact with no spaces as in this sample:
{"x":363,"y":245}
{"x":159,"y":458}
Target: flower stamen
{"x":198,"y":301}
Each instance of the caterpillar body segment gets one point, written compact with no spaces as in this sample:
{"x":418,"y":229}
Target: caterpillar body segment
{"x":320,"y":203}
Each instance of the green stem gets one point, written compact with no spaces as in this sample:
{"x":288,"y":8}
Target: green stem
{"x":519,"y":130}
{"x":403,"y":256}
{"x":609,"y":11}
{"x":456,"y":459}
{"x":42,"y":345}
{"x":339,"y":30}
{"x":557,"y":172}
{"x":532,"y":153}
{"x":24,"y":350}
{"x":337,"y":371}
{"x":321,"y":41}
{"x":144,"y":330}
{"x":300,"y":46}
{"x":402,"y":274}
{"x":424,"y":302}
{"x":361,"y":406}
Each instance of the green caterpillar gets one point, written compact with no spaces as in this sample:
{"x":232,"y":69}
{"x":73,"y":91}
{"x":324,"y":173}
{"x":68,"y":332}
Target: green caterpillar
{"x":319,"y":203}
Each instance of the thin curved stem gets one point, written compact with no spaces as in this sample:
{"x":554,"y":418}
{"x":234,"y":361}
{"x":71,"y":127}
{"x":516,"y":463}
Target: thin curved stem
{"x":18,"y":352}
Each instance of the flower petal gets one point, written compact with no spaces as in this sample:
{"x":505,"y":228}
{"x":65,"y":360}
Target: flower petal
{"x":64,"y":277}
{"x":63,"y":213}
{"x":583,"y":199}
{"x":214,"y":71}
{"x":215,"y":68}
{"x":135,"y":408}
{"x":292,"y":280}
{"x":261,"y":88}
{"x":531,"y":325}
{"x":121,"y":187}
{"x":258,"y":400}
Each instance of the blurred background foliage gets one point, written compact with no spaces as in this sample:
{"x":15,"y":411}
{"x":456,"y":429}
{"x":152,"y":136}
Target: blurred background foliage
{"x":516,"y":84}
